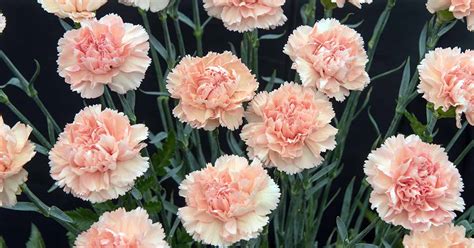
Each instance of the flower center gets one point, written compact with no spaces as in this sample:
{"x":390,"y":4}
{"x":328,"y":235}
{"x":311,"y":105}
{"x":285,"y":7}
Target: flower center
{"x":108,"y":238}
{"x":98,"y":52}
{"x":329,"y":57}
{"x":415,"y":187}
{"x":241,"y":3}
{"x":215,"y":86}
{"x":293,"y":119}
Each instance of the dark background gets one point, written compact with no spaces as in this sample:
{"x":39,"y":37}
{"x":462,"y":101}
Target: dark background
{"x":32,"y":33}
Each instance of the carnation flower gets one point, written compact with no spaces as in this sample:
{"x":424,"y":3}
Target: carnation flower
{"x":357,"y":3}
{"x":227,"y":202}
{"x":123,"y":229}
{"x":329,"y":57}
{"x":414,"y":184}
{"x":447,"y":81}
{"x":16,"y":150}
{"x":289,"y":128}
{"x":445,"y":236}
{"x":247,"y":15}
{"x":97,"y":157}
{"x":211,"y":90}
{"x":105,"y":52}
{"x":152,"y":5}
{"x":77,"y":10}
{"x":459,"y":8}
{"x":3,"y":23}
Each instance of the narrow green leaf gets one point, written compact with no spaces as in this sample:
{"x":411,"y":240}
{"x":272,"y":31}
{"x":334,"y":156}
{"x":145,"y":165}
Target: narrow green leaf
{"x":154,"y":93}
{"x":405,"y":80}
{"x":325,"y":169}
{"x":272,"y":36}
{"x":422,"y":41}
{"x":182,"y":17}
{"x":35,"y":240}
{"x":3,"y":244}
{"x":41,"y":149}
{"x":59,"y":214}
{"x":446,"y":28}
{"x":341,"y":229}
{"x":364,"y":245}
{"x":363,"y":233}
{"x":65,"y":25}
{"x":156,"y":44}
{"x":24,"y":206}
{"x":464,"y":153}
{"x":383,"y":74}
{"x":234,"y":144}
{"x":346,"y":203}
{"x":355,"y":25}
{"x":161,"y":159}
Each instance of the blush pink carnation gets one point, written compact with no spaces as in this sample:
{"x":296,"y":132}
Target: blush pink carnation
{"x":357,"y":3}
{"x":459,"y":8}
{"x":289,"y":128}
{"x":15,"y":151}
{"x":3,"y":23}
{"x":120,"y":228}
{"x":329,"y":57}
{"x":447,"y":81}
{"x":211,"y":90}
{"x":445,"y":236}
{"x":77,"y":10}
{"x":247,"y":15}
{"x":152,"y":5}
{"x":227,"y":202}
{"x":97,"y":157}
{"x":414,"y":184}
{"x":105,"y":52}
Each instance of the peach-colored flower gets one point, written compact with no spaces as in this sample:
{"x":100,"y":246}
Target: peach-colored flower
{"x":105,"y":52}
{"x":329,"y":57}
{"x":15,"y":151}
{"x":97,"y":157}
{"x":227,"y":202}
{"x":357,"y":3}
{"x":445,"y":236}
{"x":77,"y":10}
{"x":414,"y":184}
{"x":3,"y":23}
{"x":447,"y":80}
{"x":211,"y":90}
{"x":152,"y":5}
{"x":247,"y":15}
{"x":459,"y":8}
{"x":120,"y":228}
{"x":289,"y":128}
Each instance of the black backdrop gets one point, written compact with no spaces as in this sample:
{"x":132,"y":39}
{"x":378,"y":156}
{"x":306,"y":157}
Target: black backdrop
{"x":32,"y":33}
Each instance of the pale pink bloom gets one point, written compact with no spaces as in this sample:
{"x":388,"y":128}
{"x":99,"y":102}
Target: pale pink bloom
{"x":105,"y":52}
{"x":97,"y":157}
{"x":445,"y":236}
{"x":211,"y":90}
{"x":289,"y":128}
{"x":329,"y":57}
{"x":357,"y":3}
{"x":3,"y":23}
{"x":447,"y":81}
{"x":77,"y":10}
{"x":459,"y":8}
{"x":227,"y":202}
{"x":15,"y":151}
{"x":152,"y":5}
{"x":247,"y":15}
{"x":414,"y":184}
{"x":133,"y":229}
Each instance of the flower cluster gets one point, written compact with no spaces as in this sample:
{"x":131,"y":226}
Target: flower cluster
{"x":447,"y":81}
{"x":15,"y":151}
{"x":97,"y":157}
{"x":211,"y":90}
{"x":247,"y":15}
{"x":228,"y":201}
{"x":289,"y":128}
{"x":414,"y":184}
{"x":329,"y":57}
{"x":105,"y":52}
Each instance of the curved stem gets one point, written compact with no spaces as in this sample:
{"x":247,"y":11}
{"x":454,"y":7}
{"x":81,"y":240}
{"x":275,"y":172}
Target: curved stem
{"x":154,"y":54}
{"x":198,"y":32}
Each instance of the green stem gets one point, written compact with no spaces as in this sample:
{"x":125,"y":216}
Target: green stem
{"x":198,"y":31}
{"x":378,"y":30}
{"x":108,"y":98}
{"x":36,"y":133}
{"x":214,"y":144}
{"x":179,"y":34}
{"x":46,"y":210}
{"x":154,"y":54}
{"x":127,"y":109}
{"x":164,"y":24}
{"x":456,"y":137}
